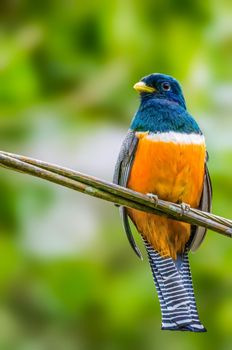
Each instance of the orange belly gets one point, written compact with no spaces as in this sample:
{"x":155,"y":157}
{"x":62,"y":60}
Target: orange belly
{"x":175,"y":173}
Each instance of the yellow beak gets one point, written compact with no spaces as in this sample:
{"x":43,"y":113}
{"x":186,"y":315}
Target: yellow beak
{"x":142,"y":87}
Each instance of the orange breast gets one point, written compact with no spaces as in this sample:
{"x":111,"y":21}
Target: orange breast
{"x":174,"y":171}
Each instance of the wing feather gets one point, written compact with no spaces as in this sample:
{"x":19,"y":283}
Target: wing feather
{"x":199,"y":232}
{"x":121,"y":176}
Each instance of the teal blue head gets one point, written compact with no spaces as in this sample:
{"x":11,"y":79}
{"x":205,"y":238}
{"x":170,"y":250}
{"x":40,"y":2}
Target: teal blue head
{"x":160,"y":86}
{"x":162,"y":107}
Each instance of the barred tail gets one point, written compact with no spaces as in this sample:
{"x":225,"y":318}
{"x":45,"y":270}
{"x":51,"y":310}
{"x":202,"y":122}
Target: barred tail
{"x":173,"y":282}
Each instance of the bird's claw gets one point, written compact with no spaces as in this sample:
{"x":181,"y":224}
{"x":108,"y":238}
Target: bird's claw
{"x":184,"y":208}
{"x":153,"y":197}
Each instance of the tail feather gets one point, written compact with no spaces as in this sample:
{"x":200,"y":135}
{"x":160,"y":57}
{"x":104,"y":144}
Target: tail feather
{"x":188,"y":284}
{"x":175,"y":291}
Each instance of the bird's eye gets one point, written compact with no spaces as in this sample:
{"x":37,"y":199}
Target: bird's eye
{"x":166,"y":86}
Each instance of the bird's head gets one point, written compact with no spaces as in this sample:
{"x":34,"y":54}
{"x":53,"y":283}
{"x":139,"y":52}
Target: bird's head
{"x":160,"y":86}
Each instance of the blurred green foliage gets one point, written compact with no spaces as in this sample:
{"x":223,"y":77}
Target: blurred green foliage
{"x":68,"y":279}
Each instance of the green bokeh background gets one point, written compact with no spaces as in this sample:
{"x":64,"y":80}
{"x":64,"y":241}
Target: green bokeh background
{"x":68,"y":278}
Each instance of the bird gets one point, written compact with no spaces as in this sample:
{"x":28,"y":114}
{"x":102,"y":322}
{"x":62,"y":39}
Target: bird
{"x":164,"y":156}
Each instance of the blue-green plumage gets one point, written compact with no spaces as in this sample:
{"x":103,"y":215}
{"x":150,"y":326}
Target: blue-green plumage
{"x":158,"y":115}
{"x":164,"y":110}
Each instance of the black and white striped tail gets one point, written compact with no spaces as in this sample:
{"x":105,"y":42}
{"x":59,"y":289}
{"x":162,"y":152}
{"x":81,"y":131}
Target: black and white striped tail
{"x":175,"y":291}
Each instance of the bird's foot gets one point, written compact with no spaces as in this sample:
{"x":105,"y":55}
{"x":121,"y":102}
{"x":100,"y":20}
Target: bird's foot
{"x":185,"y":208}
{"x":154,"y":198}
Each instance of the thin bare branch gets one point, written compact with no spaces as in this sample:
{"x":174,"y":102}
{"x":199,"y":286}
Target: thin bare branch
{"x":113,"y":193}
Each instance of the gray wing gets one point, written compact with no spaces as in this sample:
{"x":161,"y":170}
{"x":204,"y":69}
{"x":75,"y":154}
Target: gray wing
{"x":198,"y":233}
{"x":121,"y":176}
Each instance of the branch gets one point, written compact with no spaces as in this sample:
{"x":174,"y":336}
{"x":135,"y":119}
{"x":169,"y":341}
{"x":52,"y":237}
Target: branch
{"x":113,"y":193}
